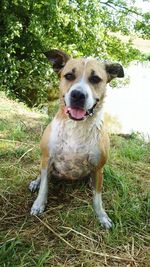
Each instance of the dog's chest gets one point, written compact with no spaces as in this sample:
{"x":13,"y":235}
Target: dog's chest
{"x":74,"y":149}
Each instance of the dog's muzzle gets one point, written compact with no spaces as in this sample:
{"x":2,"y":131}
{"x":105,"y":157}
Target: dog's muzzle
{"x":76,"y":110}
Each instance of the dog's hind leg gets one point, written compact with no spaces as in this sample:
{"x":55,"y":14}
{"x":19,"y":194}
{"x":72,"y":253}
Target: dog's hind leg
{"x":35,"y":184}
{"x":97,"y":201}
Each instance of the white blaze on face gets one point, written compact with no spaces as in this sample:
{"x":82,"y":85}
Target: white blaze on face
{"x":84,"y":88}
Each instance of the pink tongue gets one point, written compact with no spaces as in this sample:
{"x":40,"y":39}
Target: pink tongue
{"x":76,"y":113}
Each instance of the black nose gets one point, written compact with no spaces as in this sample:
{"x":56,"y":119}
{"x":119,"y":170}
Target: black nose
{"x":77,"y":99}
{"x":76,"y":95}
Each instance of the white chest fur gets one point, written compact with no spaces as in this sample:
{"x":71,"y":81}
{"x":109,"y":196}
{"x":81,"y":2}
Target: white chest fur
{"x":73,"y":143}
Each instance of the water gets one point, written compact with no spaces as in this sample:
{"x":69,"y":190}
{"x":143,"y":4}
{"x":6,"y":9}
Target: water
{"x":128,"y":108}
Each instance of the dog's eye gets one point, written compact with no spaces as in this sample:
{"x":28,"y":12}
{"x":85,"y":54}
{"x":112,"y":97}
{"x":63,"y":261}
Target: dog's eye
{"x":70,"y":76}
{"x":95,"y":79}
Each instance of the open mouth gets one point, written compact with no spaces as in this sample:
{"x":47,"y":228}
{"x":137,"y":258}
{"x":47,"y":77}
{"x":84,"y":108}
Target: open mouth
{"x":79,"y":114}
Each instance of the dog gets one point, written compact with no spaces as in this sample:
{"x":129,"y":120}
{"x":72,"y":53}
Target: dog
{"x":75,"y":144}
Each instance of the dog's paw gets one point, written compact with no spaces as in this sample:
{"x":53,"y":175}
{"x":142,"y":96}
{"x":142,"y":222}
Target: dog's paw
{"x":34,"y":186}
{"x":37,"y":208}
{"x":105,"y":221}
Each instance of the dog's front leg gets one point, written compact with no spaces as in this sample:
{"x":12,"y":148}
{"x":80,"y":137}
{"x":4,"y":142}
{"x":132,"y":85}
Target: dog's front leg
{"x":97,"y":200}
{"x":41,"y":200}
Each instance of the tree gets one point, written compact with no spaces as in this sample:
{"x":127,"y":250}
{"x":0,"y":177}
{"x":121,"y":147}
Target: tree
{"x":78,"y":27}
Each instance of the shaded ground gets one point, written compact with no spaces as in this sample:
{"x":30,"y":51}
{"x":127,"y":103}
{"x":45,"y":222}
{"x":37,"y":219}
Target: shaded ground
{"x":68,"y":234}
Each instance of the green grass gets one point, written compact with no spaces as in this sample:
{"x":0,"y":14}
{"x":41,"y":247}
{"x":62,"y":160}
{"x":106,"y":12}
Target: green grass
{"x":15,"y":252}
{"x":26,"y":241}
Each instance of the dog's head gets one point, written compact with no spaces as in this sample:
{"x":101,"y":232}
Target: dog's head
{"x":82,"y":82}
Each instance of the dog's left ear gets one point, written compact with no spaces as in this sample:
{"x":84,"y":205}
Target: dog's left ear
{"x":57,"y":58}
{"x":114,"y":70}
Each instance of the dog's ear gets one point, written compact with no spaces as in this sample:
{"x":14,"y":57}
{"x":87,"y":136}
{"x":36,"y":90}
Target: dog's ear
{"x":57,"y":58}
{"x":114,"y":70}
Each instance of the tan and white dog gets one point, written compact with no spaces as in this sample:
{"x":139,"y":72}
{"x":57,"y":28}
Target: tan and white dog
{"x":75,"y":144}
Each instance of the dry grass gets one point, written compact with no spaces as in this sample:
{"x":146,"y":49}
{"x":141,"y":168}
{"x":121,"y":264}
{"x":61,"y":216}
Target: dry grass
{"x":68,"y":234}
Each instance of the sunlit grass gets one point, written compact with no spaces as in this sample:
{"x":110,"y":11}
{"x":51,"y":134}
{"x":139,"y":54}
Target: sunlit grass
{"x":25,"y":241}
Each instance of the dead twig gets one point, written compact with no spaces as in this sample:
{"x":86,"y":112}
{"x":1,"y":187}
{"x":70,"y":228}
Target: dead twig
{"x":78,"y":233}
{"x":25,"y":154}
{"x":93,"y":233}
{"x":131,"y":254}
{"x":84,"y":250}
{"x":56,"y":234}
{"x":82,"y":200}
{"x":6,"y":199}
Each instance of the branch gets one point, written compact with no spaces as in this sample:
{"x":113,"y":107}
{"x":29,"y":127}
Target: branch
{"x":112,"y":5}
{"x":105,"y":255}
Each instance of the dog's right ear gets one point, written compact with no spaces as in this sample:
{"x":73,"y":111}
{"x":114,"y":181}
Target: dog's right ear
{"x":57,"y":58}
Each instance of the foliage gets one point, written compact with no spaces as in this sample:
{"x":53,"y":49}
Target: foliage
{"x":143,"y":25}
{"x":79,"y":27}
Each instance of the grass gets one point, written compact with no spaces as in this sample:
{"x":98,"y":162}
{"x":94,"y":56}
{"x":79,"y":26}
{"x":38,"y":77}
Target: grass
{"x":68,"y":233}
